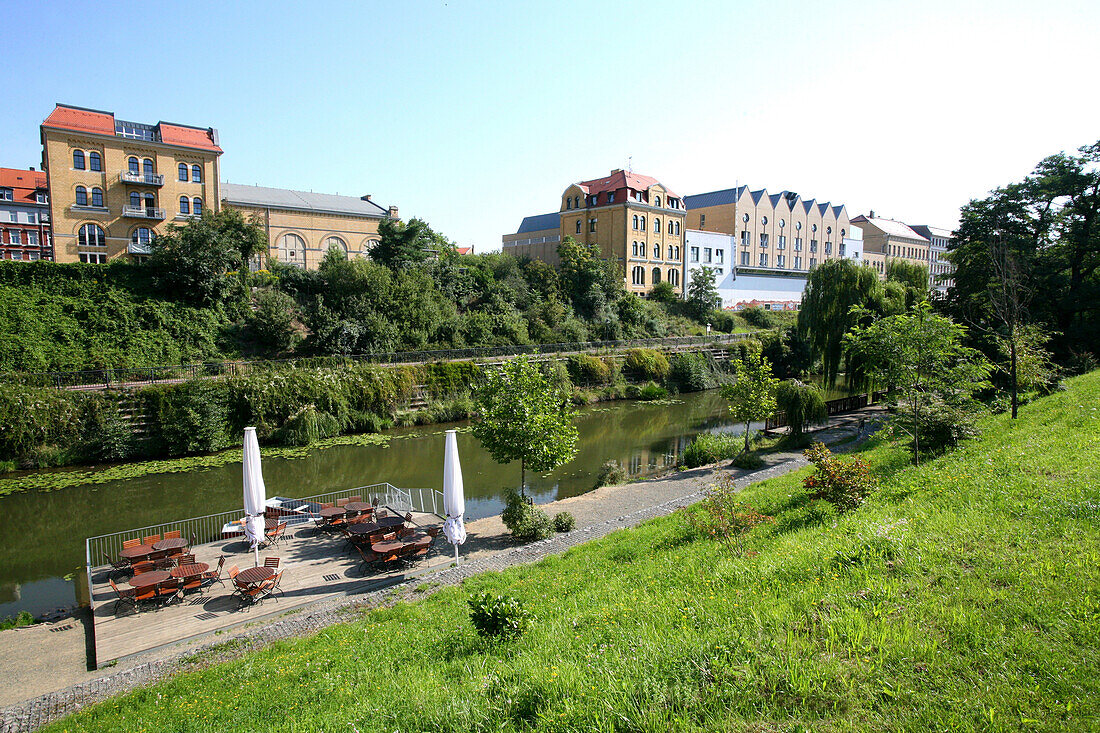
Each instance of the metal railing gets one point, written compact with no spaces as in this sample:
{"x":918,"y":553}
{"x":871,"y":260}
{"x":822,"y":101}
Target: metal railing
{"x":146,"y":179}
{"x":832,"y":407}
{"x":211,"y":527}
{"x":137,"y":376}
{"x":142,"y":212}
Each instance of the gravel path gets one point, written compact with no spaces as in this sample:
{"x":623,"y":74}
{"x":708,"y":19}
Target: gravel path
{"x":488,"y":547}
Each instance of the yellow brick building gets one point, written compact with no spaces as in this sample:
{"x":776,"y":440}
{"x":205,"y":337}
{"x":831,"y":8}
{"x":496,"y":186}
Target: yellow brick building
{"x":636,"y":221}
{"x":885,"y":240}
{"x":301,"y":226}
{"x":113,"y":184}
{"x":775,"y":231}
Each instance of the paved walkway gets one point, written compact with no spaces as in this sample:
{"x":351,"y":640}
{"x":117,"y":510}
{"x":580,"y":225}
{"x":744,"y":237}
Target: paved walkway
{"x":598,"y":513}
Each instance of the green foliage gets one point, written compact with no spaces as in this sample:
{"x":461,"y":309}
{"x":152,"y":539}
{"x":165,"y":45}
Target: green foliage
{"x":446,"y":378}
{"x":647,"y":392}
{"x":192,"y":417}
{"x":723,"y":516}
{"x":702,"y":294}
{"x":592,"y":285}
{"x":403,"y":244}
{"x":307,"y":425}
{"x":273,"y":320}
{"x":843,"y":483}
{"x":692,"y":372}
{"x":46,"y":426}
{"x":564,"y":522}
{"x":646,"y":364}
{"x":789,"y":352}
{"x":586,"y":369}
{"x":912,"y":276}
{"x":709,"y":448}
{"x":525,"y":520}
{"x":21,"y":619}
{"x":522,"y":416}
{"x":611,"y":473}
{"x":499,"y":616}
{"x":804,"y":404}
{"x":942,"y":425}
{"x":663,"y":292}
{"x":752,"y":394}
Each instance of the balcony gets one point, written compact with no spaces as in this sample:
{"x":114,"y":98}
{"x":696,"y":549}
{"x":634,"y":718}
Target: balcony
{"x":141,"y":179}
{"x":85,"y":209}
{"x":139,"y":248}
{"x":142,"y":212}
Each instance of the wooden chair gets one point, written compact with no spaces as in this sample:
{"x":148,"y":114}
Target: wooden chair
{"x":173,"y":535}
{"x":354,"y":498}
{"x":275,"y":536}
{"x":273,"y":562}
{"x":233,"y":572}
{"x":215,"y":576}
{"x":150,"y":539}
{"x":126,"y":596}
{"x":121,"y":565}
{"x":433,"y":531}
{"x":168,"y":591}
{"x":343,"y":502}
{"x":326,"y":505}
{"x":127,"y":544}
{"x":192,"y":542}
{"x":186,"y":559}
{"x":144,"y":566}
{"x":368,"y":556}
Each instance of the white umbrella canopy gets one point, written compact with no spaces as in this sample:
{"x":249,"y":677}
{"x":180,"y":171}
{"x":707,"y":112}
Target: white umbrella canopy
{"x":454,"y":499}
{"x":255,"y":493}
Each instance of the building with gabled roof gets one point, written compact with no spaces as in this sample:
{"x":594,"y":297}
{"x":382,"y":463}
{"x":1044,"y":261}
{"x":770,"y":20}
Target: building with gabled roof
{"x":940,"y":271}
{"x":888,"y":239}
{"x":24,"y":215}
{"x":635,"y":220}
{"x":115,"y":184}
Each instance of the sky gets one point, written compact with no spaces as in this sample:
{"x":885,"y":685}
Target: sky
{"x":472,"y":115}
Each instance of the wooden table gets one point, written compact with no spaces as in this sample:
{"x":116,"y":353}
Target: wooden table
{"x":251,"y":576}
{"x":190,"y":571}
{"x":155,"y":577}
{"x":137,"y":553}
{"x":330,"y":512}
{"x":359,"y":506}
{"x":388,"y":547}
{"x":365,"y":528}
{"x":172,"y":543}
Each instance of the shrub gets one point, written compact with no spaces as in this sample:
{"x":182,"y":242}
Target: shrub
{"x":499,"y":617}
{"x":844,"y":484}
{"x":646,"y":364}
{"x":758,"y":317}
{"x":273,"y":320}
{"x":564,"y":522}
{"x":648,"y":391}
{"x":804,"y":404}
{"x":307,"y":425}
{"x":586,"y":369}
{"x":525,"y":520}
{"x":611,"y":472}
{"x":721,"y":516}
{"x":943,"y":426}
{"x":192,"y":417}
{"x":23,"y":618}
{"x":693,"y":372}
{"x":710,"y":448}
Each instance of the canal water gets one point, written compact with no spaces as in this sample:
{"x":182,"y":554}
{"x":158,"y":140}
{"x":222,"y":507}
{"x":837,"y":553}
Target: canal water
{"x":42,"y":533}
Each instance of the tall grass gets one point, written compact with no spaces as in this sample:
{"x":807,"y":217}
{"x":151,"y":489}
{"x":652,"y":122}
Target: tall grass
{"x":962,"y":595}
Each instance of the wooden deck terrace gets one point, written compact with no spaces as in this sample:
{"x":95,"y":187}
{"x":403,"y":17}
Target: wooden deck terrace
{"x":318,"y":565}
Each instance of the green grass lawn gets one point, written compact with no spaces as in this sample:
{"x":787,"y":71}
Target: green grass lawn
{"x":963,"y":596}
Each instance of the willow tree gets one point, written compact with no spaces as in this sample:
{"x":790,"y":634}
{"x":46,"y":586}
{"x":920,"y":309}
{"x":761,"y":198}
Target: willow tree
{"x":838,"y":295}
{"x":803,"y":404}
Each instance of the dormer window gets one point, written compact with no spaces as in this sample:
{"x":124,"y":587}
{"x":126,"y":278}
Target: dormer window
{"x":657,"y":201}
{"x":610,"y":197}
{"x":568,"y":204}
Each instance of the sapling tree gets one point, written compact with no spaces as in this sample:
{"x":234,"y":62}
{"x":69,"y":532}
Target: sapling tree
{"x":921,"y":355}
{"x":523,"y":416}
{"x":752,"y":394}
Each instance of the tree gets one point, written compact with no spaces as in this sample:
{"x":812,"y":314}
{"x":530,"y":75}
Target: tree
{"x":702,"y":294}
{"x":663,"y":292}
{"x":193,"y":261}
{"x":401,"y":245}
{"x":832,"y":289}
{"x":912,"y":276}
{"x":273,"y":319}
{"x":922,"y":355}
{"x":752,"y":394}
{"x":592,"y":284}
{"x":522,"y":415}
{"x":804,"y":404}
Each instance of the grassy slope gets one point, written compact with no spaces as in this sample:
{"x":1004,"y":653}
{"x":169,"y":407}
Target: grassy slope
{"x":965,"y":595}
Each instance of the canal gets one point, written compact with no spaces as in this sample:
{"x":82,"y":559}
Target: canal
{"x":42,"y":533}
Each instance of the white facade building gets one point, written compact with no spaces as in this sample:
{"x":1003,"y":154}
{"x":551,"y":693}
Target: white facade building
{"x":939,"y":269}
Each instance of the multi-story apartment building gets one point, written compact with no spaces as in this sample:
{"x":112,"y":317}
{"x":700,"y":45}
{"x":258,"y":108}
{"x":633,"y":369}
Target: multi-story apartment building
{"x":775,"y":231}
{"x":114,"y":184}
{"x":24,"y":215}
{"x":635,"y":220}
{"x":886,"y":239}
{"x":939,"y":269}
{"x":302,"y":226}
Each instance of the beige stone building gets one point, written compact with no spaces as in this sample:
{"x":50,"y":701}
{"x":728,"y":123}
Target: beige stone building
{"x":635,"y":220}
{"x":113,"y":184}
{"x":886,"y":239}
{"x":301,"y":226}
{"x":780,"y":231}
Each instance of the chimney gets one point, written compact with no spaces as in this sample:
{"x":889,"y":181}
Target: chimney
{"x":616,"y":170}
{"x":872,"y":216}
{"x":393,"y":213}
{"x":31,"y":168}
{"x":365,"y":198}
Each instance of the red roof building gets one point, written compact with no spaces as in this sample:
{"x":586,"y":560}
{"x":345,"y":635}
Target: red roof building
{"x":24,"y":215}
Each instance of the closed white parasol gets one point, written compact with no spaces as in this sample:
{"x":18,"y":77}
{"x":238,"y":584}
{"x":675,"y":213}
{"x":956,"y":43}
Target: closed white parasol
{"x":454,"y":499}
{"x":255,"y":493}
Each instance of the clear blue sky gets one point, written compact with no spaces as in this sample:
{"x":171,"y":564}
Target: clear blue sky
{"x":474,"y":114}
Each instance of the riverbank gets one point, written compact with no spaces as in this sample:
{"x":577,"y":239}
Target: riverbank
{"x":47,"y":659}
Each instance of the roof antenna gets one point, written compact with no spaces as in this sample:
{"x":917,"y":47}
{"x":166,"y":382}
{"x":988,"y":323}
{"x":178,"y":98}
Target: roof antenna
{"x":630,"y":163}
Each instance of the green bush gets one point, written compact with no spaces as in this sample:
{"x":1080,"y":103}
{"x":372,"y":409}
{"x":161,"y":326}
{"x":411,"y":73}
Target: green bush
{"x":586,"y":369}
{"x":692,"y":372}
{"x":844,"y":484}
{"x":273,"y":320}
{"x":804,"y":404}
{"x":525,"y":520}
{"x":711,"y":448}
{"x":564,"y":522}
{"x":646,"y":364}
{"x":648,"y":391}
{"x":722,"y":516}
{"x":611,"y":472}
{"x":499,"y":616}
{"x":23,"y":618}
{"x":943,"y":426}
{"x":192,"y":417}
{"x":307,"y":425}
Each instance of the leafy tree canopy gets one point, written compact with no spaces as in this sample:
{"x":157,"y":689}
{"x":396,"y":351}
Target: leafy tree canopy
{"x":402,"y":244}
{"x":752,"y":393}
{"x":702,"y":294}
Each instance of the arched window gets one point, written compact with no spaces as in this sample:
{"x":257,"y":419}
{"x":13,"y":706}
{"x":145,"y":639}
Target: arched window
{"x":185,"y":205}
{"x":339,"y":244}
{"x":91,"y":235}
{"x":150,"y":201}
{"x":196,"y":206}
{"x":147,"y":167}
{"x":673,"y":277}
{"x":81,"y":196}
{"x":576,"y":202}
{"x":798,"y":225}
{"x":568,"y":203}
{"x":78,"y":159}
{"x":635,"y":222}
{"x":95,"y":162}
{"x":656,"y":275}
{"x":745,"y":218}
{"x":135,"y":199}
{"x":97,"y":197}
{"x":643,"y":223}
{"x":141,"y":235}
{"x":578,"y":226}
{"x":842,"y":232}
{"x":133,"y":166}
{"x":196,"y":174}
{"x":183,"y":171}
{"x":828,"y":230}
{"x":670,"y":226}
{"x":637,"y":276}
{"x":677,"y":229}
{"x":814,"y":227}
{"x":656,"y":251}
{"x":292,"y":249}
{"x":368,"y":245}
{"x":657,"y":201}
{"x":634,"y":249}
{"x":656,"y":225}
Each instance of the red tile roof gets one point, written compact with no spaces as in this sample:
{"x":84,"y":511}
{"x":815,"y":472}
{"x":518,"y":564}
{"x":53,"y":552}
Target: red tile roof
{"x":188,"y":137}
{"x":464,"y":250}
{"x":21,"y":178}
{"x":84,"y":120}
{"x":621,"y":179}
